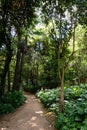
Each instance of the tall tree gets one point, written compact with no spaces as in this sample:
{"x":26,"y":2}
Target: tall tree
{"x":6,"y":42}
{"x":18,"y":14}
{"x":25,"y":9}
{"x":65,"y":15}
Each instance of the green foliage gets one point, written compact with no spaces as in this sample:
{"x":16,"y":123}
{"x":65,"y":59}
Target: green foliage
{"x":49,"y":98}
{"x":6,"y":108}
{"x":15,"y":98}
{"x":74,"y":116}
{"x":11,"y":101}
{"x":73,"y":92}
{"x":75,"y":110}
{"x":30,"y":88}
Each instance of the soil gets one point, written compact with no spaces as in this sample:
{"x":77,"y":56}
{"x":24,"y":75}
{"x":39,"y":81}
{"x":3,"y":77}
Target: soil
{"x":30,"y":116}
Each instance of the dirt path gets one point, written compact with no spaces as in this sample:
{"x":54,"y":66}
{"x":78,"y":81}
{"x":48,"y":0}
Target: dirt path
{"x":30,"y":116}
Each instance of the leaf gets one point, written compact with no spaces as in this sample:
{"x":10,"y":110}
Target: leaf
{"x":78,"y":119}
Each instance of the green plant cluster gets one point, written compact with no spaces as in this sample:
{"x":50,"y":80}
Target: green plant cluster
{"x":10,"y":101}
{"x":74,"y":116}
{"x":73,"y":92}
{"x":30,"y":88}
{"x":49,"y":98}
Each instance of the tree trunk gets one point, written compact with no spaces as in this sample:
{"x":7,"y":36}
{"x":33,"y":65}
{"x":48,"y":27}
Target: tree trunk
{"x":5,"y":70}
{"x":61,"y":107}
{"x":37,"y":74}
{"x":16,"y":82}
{"x":8,"y":80}
{"x":19,"y":61}
{"x":61,"y":78}
{"x":7,"y":40}
{"x":23,"y":52}
{"x":21,"y":65}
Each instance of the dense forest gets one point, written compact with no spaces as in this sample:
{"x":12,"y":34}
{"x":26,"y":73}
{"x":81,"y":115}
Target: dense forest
{"x":43,"y":47}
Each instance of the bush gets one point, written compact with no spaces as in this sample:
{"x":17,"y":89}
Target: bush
{"x":10,"y":101}
{"x":15,"y":98}
{"x":73,"y":92}
{"x":74,"y":116}
{"x":30,"y":88}
{"x":75,"y":111}
{"x":49,"y":98}
{"x":6,"y":108}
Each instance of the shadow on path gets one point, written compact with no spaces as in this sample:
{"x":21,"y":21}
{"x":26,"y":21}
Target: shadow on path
{"x":30,"y":116}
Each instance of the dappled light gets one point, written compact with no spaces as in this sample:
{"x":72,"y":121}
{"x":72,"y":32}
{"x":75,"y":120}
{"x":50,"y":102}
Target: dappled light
{"x":30,"y":116}
{"x":33,"y":118}
{"x":39,"y":112}
{"x":3,"y":128}
{"x":32,"y":124}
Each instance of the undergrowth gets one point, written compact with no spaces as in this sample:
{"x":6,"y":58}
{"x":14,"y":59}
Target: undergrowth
{"x":74,"y":116}
{"x":10,"y":101}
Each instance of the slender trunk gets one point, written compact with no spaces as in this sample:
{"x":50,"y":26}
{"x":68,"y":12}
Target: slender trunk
{"x":37,"y":66}
{"x":59,"y":73}
{"x":8,"y":79}
{"x":61,"y":107}
{"x":21,"y":65}
{"x":23,"y":52}
{"x":16,"y":82}
{"x":61,"y":78}
{"x":5,"y":70}
{"x":7,"y":40}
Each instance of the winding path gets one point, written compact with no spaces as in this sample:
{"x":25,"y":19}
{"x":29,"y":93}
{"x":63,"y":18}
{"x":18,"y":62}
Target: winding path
{"x":30,"y":116}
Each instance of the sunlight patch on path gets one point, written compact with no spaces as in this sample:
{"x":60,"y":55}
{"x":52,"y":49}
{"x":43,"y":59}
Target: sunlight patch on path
{"x":30,"y":116}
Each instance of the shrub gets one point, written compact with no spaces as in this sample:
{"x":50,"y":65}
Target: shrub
{"x":73,"y":92}
{"x":6,"y":108}
{"x":15,"y":98}
{"x":10,"y":101}
{"x":30,"y":88}
{"x":49,"y":98}
{"x":74,"y":116}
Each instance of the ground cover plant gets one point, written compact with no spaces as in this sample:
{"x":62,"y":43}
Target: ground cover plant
{"x":10,"y":101}
{"x":28,"y":87}
{"x":74,"y":115}
{"x":49,"y":98}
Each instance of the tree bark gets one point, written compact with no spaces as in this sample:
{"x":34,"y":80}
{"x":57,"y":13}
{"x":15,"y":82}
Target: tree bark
{"x":19,"y":61}
{"x":6,"y":39}
{"x":23,"y":51}
{"x":5,"y":70}
{"x":8,"y":80}
{"x":61,"y":71}
{"x":61,"y":105}
{"x":21,"y":66}
{"x":16,"y":82}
